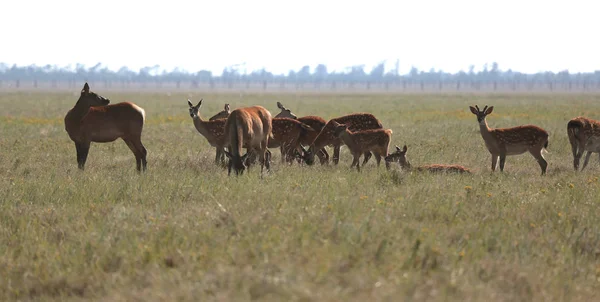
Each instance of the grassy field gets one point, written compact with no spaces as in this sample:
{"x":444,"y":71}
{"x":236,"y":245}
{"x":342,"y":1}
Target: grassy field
{"x":187,"y":231}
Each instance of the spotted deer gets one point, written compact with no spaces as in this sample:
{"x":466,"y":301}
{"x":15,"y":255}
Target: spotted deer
{"x":400,"y":157}
{"x":213,"y":131}
{"x":502,"y":142}
{"x":584,"y":135}
{"x":223,"y":114}
{"x":315,"y":122}
{"x":355,"y":122}
{"x":93,"y":119}
{"x":362,"y":141}
{"x":287,"y":134}
{"x":248,"y":127}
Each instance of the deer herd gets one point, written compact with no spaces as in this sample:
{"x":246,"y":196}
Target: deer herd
{"x":94,"y":119}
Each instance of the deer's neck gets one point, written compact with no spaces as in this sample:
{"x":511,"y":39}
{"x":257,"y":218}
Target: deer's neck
{"x":348,"y":140}
{"x":201,"y":127}
{"x":78,"y":112}
{"x":485,"y":130}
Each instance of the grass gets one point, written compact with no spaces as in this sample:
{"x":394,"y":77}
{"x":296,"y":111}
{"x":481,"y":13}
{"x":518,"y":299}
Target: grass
{"x":186,"y":231}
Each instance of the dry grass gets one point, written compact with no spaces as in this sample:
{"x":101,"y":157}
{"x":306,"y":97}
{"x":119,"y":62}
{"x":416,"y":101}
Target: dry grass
{"x":186,"y":231}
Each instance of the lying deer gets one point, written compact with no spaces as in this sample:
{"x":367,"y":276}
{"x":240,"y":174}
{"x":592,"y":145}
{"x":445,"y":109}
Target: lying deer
{"x":92,"y":119}
{"x":315,"y":122}
{"x":584,"y":135}
{"x":400,"y":157}
{"x":364,"y":141}
{"x":502,"y":142}
{"x":356,"y":122}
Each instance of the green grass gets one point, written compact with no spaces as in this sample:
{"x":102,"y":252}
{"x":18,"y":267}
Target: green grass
{"x":187,"y":231}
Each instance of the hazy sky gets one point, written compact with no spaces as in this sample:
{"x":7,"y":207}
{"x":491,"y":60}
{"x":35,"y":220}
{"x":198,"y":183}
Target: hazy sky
{"x":525,"y":35}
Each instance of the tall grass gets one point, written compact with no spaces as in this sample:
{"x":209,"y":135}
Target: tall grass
{"x":186,"y":231}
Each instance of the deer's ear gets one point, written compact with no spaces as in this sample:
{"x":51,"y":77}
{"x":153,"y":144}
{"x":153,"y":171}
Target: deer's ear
{"x":190,"y":103}
{"x":228,"y":155}
{"x":489,"y":110}
{"x":199,"y":104}
{"x":280,"y":106}
{"x":86,"y":88}
{"x":226,"y":107}
{"x":473,"y":110}
{"x":398,"y":148}
{"x":404,"y":148}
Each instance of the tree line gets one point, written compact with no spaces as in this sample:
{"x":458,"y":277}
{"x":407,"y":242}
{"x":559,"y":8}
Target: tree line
{"x":488,"y":76}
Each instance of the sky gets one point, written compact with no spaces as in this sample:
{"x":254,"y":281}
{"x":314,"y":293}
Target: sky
{"x":526,"y":35}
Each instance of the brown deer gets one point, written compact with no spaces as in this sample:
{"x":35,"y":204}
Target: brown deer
{"x":400,"y":157}
{"x":223,"y":114}
{"x":502,"y":142}
{"x":315,"y":122}
{"x":213,"y":131}
{"x":355,"y":122}
{"x":584,"y":135}
{"x":363,"y":141}
{"x":248,"y":127}
{"x":287,"y":134}
{"x":92,"y":119}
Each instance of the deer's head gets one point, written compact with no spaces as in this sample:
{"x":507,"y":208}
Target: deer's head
{"x":481,"y":114}
{"x":285,"y":112}
{"x":222,"y":114}
{"x":194,"y":109}
{"x":399,"y":156}
{"x":237,"y":163}
{"x":91,"y":98}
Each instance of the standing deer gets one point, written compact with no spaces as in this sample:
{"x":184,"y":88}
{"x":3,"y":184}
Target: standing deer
{"x":287,"y":134}
{"x":364,"y":141}
{"x":584,"y":135}
{"x":92,"y":119}
{"x":400,"y":157}
{"x":315,"y":122}
{"x":223,"y":114}
{"x":250,"y":127}
{"x":511,"y":141}
{"x":355,"y":122}
{"x":213,"y":131}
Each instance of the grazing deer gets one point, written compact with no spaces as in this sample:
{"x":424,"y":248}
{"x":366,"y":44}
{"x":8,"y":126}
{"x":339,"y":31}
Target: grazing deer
{"x":287,"y":134}
{"x":511,"y":141}
{"x":315,"y":122}
{"x":400,"y":157}
{"x":223,"y":114}
{"x":250,"y":127}
{"x":213,"y":131}
{"x":355,"y":122}
{"x":92,"y":119}
{"x":364,"y":141}
{"x":584,"y":135}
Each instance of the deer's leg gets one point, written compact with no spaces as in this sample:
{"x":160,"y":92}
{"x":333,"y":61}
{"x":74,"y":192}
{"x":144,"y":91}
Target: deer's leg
{"x":577,"y":155}
{"x":323,"y":156}
{"x":537,"y":153}
{"x":336,"y":154}
{"x":587,"y":159}
{"x":574,"y":148}
{"x":136,"y":153}
{"x":377,"y":158}
{"x":82,"y":152}
{"x":367,"y":157}
{"x":142,"y":151}
{"x":494,"y":162}
{"x":502,"y":161}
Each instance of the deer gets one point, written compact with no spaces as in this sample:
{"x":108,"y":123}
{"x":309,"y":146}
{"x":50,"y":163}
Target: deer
{"x":94,"y":119}
{"x":248,"y":127}
{"x":400,"y":157}
{"x":287,"y":134}
{"x":213,"y":131}
{"x":584,"y":135}
{"x":315,"y":122}
{"x":363,"y":141}
{"x":223,"y":114}
{"x":355,"y":122}
{"x":502,"y":142}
